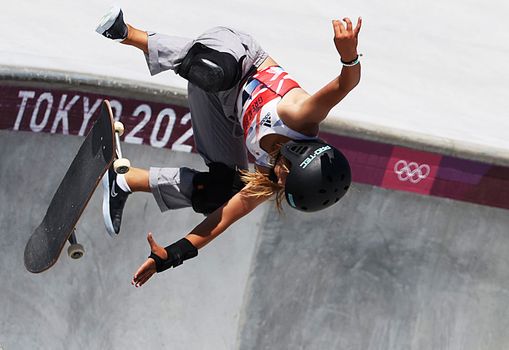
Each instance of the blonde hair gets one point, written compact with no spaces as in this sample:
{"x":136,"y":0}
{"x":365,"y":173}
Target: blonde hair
{"x":258,"y":184}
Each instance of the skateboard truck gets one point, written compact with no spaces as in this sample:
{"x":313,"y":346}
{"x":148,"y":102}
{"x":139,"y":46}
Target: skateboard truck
{"x":120,"y":165}
{"x":75,"y":250}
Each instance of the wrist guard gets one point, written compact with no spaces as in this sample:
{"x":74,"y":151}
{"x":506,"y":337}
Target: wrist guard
{"x":177,"y":253}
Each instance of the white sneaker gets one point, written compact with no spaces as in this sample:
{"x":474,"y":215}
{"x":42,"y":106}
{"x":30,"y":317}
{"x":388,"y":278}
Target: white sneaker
{"x":112,"y":25}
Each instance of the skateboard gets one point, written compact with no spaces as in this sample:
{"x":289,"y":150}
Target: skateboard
{"x":96,"y":155}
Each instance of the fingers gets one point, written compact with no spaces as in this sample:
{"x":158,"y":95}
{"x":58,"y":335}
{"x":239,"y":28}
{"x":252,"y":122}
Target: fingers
{"x":148,"y":268}
{"x":141,"y":270}
{"x":141,"y":279}
{"x":348,"y":24}
{"x":151,"y":241}
{"x":143,"y":273}
{"x":156,"y":248}
{"x":340,"y":28}
{"x":358,"y":26}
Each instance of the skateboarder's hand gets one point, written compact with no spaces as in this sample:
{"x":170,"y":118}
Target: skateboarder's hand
{"x":148,"y":268}
{"x":345,"y":38}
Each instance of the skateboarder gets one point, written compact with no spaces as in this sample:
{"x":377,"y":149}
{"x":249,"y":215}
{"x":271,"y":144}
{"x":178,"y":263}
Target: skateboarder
{"x":240,"y":99}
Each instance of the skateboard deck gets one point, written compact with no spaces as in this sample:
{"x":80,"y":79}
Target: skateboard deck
{"x":93,"y":159}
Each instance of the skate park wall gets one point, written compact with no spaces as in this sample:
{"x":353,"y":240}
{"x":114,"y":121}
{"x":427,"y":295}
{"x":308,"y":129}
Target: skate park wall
{"x":90,"y":303}
{"x":414,"y":257}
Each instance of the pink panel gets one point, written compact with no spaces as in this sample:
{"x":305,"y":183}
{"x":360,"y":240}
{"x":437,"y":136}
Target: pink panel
{"x":410,"y":170}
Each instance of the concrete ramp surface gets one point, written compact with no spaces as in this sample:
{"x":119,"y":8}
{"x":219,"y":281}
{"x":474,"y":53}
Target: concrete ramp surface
{"x":380,"y":270}
{"x":90,"y":303}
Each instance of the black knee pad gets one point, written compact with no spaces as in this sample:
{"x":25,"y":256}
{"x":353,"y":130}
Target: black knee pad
{"x":214,"y":188}
{"x":210,"y":69}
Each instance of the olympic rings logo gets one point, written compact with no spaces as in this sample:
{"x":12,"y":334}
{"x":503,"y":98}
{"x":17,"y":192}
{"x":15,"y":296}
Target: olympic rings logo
{"x":412,"y":171}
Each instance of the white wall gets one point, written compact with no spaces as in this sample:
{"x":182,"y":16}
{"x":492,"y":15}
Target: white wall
{"x":432,"y":67}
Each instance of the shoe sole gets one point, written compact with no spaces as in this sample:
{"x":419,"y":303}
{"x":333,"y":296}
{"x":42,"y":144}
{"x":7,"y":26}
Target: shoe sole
{"x":107,"y":21}
{"x":106,"y":206}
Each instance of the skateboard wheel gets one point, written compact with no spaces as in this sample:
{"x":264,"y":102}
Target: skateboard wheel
{"x":75,"y":251}
{"x":122,"y":165}
{"x":119,"y":128}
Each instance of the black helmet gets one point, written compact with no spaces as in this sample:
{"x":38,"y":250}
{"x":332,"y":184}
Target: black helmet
{"x":319,"y":174}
